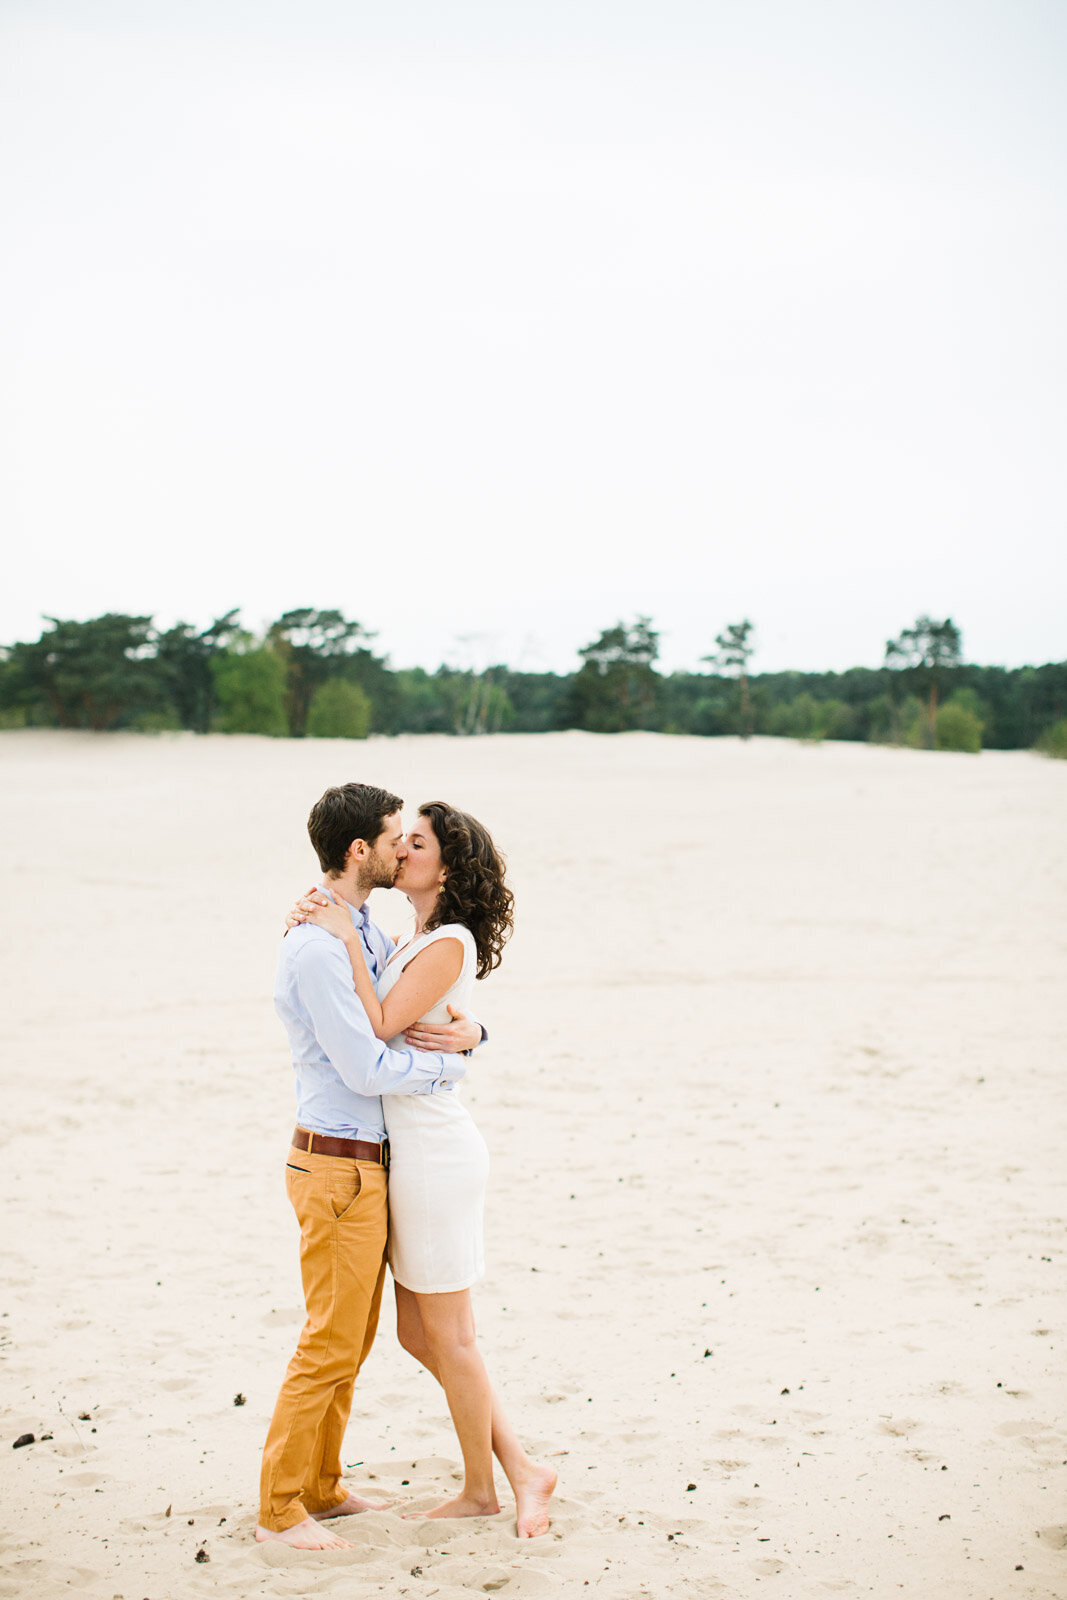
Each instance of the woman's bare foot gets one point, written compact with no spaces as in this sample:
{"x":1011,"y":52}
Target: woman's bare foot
{"x":306,"y":1535}
{"x":463,"y":1505}
{"x":532,"y":1495}
{"x":351,"y":1508}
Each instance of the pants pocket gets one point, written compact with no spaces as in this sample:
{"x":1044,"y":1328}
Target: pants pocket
{"x":343,"y":1186}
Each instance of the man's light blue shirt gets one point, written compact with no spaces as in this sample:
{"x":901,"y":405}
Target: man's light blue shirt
{"x":342,"y":1069}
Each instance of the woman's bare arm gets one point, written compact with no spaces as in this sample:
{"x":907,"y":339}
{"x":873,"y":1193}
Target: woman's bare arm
{"x":424,"y":980}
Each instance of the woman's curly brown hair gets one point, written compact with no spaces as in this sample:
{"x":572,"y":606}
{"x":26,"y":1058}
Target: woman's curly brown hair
{"x":474,"y":892}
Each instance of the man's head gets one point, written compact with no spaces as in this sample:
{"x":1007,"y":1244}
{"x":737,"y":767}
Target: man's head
{"x":356,"y":831}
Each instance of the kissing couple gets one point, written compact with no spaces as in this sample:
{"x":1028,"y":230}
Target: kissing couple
{"x":385,"y":1155}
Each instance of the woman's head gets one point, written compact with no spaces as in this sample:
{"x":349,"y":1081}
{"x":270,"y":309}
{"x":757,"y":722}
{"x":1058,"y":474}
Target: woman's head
{"x":448,"y":848}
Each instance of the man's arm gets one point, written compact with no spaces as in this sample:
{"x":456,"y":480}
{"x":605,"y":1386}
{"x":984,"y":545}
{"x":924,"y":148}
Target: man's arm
{"x":462,"y":1033}
{"x":324,"y":983}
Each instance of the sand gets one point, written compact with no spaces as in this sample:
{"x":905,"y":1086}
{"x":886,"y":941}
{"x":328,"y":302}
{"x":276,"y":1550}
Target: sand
{"x":776,"y":1225}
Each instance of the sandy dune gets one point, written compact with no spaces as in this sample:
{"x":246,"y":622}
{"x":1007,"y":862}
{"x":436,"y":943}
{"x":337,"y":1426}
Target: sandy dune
{"x":776,"y":1233}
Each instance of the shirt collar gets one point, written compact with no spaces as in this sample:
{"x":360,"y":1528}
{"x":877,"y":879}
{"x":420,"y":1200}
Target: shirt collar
{"x":360,"y":918}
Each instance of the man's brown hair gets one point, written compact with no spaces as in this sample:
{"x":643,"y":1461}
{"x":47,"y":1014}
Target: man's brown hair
{"x":352,"y":811}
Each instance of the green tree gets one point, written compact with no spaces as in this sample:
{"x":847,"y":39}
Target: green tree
{"x":959,"y":727}
{"x":185,"y":656}
{"x":617,"y":686}
{"x":12,"y":712}
{"x":96,"y":674}
{"x":735,"y":647}
{"x":454,"y":701}
{"x":419,"y":706}
{"x":1053,"y":742}
{"x":806,"y":717}
{"x":924,"y":654}
{"x":478,"y":702}
{"x":250,"y":690}
{"x":339,"y":710}
{"x":314,"y":647}
{"x":894,"y":720}
{"x":536,"y":700}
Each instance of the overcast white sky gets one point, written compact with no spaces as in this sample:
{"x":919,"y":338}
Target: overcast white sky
{"x":499,"y":322}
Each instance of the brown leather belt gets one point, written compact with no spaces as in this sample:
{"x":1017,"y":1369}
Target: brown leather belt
{"x":324,"y":1144}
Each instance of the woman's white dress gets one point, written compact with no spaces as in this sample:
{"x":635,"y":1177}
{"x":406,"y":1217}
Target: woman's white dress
{"x":438,"y":1161}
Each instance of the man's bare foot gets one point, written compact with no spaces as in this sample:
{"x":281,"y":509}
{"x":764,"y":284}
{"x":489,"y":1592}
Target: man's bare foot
{"x":351,"y":1508}
{"x":532,"y":1495}
{"x":306,"y":1535}
{"x":463,"y":1505}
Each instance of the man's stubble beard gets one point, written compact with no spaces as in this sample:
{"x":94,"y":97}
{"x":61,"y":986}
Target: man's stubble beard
{"x":378,"y":874}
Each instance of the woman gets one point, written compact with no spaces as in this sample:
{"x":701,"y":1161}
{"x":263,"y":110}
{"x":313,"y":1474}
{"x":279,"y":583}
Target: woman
{"x":438,"y":1163}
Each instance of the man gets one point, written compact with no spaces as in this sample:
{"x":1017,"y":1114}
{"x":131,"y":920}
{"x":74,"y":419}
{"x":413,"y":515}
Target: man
{"x":336,"y":1172}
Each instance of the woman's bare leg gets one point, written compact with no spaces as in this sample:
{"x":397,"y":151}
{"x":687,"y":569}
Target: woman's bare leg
{"x":448,"y":1332}
{"x":531,"y":1484}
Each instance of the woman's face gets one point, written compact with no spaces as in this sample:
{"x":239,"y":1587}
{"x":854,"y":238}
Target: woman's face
{"x":421,"y":867}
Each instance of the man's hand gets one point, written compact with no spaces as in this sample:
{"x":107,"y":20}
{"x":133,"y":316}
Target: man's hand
{"x":448,"y":1037}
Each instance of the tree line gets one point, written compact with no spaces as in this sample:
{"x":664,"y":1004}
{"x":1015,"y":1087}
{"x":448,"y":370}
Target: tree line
{"x":315,"y":673}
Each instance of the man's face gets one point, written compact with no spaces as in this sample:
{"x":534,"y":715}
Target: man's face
{"x":382,"y":861}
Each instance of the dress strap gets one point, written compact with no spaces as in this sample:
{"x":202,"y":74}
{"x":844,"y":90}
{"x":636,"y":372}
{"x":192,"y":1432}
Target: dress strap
{"x":450,"y":930}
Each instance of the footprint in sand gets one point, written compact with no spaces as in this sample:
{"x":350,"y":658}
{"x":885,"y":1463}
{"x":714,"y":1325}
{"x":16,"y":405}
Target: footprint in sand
{"x":48,"y":1577}
{"x":274,"y":1554}
{"x":898,"y":1428}
{"x":439,"y":1530}
{"x":287,"y":1317}
{"x":522,"y":1582}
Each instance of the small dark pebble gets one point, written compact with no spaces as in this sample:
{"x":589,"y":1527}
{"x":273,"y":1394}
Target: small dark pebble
{"x":689,"y":1486}
{"x":416,"y":1572}
{"x":238,"y":1399}
{"x":167,"y":1512}
{"x":1019,"y":1569}
{"x":785,"y":1391}
{"x":45,"y":1436}
{"x":707,"y":1353}
{"x":944,"y":1469}
{"x":190,"y":1522}
{"x":202,"y":1555}
{"x":944,"y":1517}
{"x":404,"y":1482}
{"x":83,"y":1416}
{"x":23,"y":1438}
